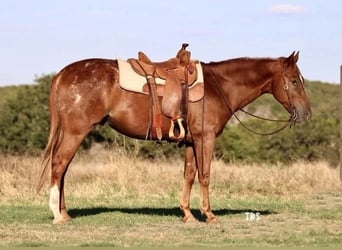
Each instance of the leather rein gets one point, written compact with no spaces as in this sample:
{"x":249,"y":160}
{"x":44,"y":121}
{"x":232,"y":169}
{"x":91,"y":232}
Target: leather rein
{"x":289,"y":122}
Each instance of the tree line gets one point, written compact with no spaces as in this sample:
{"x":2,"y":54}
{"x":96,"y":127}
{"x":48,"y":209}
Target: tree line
{"x":24,"y":127}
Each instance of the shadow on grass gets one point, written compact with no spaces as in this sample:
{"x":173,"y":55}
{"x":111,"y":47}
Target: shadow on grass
{"x":175,"y":211}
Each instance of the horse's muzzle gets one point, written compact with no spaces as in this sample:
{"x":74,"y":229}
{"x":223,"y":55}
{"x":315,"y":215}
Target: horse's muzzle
{"x":300,"y":115}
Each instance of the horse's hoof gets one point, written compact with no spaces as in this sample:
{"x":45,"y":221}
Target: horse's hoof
{"x":212,"y":221}
{"x":61,"y":220}
{"x":189,"y":219}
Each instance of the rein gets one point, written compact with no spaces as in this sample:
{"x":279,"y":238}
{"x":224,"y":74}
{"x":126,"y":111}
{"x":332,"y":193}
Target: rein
{"x":289,"y":122}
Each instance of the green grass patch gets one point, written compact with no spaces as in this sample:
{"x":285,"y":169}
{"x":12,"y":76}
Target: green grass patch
{"x":326,"y":213}
{"x":155,"y":222}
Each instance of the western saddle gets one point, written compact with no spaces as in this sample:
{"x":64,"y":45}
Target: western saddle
{"x":179,"y":73}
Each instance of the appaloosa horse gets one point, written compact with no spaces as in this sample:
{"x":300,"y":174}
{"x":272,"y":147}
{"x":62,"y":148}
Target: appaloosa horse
{"x":87,"y":93}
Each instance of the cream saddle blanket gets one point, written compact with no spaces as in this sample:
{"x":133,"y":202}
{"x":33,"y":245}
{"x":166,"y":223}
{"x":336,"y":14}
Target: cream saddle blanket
{"x":131,"y":81}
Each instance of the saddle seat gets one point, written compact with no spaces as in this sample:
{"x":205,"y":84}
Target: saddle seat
{"x":170,"y":63}
{"x":182,"y":68}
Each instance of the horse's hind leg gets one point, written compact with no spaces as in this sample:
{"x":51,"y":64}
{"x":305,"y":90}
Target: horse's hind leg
{"x":60,"y":162}
{"x":189,"y":177}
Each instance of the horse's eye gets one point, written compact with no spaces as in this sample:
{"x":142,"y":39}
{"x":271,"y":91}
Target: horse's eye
{"x":294,"y":82}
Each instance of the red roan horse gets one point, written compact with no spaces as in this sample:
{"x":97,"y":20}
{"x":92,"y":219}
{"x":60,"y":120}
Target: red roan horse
{"x":87,"y":93}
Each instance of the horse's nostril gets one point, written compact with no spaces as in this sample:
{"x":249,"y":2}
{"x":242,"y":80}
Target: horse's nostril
{"x":308,"y":115}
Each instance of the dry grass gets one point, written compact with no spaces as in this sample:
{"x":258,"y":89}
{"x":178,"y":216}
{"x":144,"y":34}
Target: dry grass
{"x":295,"y":180}
{"x":109,"y":173}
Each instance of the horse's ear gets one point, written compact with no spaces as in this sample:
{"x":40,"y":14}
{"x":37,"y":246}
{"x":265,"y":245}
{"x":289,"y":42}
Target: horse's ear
{"x":292,"y":59}
{"x":295,"y":57}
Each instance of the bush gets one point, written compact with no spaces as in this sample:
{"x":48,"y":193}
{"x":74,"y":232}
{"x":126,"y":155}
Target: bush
{"x":24,"y":120}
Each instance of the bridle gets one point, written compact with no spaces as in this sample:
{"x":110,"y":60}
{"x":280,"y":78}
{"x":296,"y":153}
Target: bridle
{"x":289,"y":122}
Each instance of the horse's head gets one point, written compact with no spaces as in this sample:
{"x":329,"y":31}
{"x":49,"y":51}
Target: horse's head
{"x":288,"y":89}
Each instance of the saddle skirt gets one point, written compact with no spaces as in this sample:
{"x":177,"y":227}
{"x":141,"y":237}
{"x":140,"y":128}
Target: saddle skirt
{"x":132,"y":81}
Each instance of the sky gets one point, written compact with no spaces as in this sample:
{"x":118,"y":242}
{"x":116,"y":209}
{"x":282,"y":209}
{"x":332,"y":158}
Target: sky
{"x":41,"y":37}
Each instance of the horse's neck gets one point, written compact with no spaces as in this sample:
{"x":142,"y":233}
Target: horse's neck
{"x":242,"y":82}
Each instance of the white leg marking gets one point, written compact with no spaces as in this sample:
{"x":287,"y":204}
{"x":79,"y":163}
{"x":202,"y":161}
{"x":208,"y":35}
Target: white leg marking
{"x":54,"y":201}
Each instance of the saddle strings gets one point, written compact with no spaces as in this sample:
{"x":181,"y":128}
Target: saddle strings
{"x":149,"y":129}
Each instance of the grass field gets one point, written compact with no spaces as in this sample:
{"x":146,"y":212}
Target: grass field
{"x":118,"y":200}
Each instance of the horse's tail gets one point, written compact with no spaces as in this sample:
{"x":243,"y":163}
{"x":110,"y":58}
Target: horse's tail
{"x":55,"y":135}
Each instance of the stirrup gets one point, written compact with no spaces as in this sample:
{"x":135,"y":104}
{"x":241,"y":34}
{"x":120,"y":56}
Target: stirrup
{"x":172,"y":128}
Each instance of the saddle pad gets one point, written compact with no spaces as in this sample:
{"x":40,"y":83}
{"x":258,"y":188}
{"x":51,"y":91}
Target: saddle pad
{"x":131,"y":81}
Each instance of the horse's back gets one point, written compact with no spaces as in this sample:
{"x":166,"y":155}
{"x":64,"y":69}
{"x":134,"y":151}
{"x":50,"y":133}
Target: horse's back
{"x":88,"y":70}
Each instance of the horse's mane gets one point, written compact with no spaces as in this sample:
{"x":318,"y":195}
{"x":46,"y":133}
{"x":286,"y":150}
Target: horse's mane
{"x":242,"y":60}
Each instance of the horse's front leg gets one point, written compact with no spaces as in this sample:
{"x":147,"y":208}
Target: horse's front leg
{"x":189,"y":177}
{"x":204,"y":150}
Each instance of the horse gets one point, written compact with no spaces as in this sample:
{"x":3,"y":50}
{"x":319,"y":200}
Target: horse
{"x":87,"y":93}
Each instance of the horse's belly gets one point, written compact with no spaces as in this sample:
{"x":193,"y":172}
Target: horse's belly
{"x":129,"y":127}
